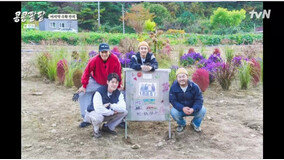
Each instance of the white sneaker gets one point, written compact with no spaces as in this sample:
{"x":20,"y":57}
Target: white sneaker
{"x":197,"y":129}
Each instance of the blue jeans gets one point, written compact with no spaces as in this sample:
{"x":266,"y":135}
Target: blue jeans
{"x":198,"y":116}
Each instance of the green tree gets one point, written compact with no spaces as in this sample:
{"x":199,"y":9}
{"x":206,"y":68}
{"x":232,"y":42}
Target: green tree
{"x":88,"y":15}
{"x":161,"y":13}
{"x":47,"y":7}
{"x":137,"y":16}
{"x":224,"y":18}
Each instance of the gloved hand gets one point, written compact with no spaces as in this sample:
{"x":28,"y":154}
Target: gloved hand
{"x":75,"y":97}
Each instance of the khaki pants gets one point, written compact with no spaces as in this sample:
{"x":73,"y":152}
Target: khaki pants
{"x":97,"y":119}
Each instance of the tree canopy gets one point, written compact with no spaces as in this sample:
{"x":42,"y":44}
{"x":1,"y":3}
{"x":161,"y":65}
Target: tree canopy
{"x":188,"y":16}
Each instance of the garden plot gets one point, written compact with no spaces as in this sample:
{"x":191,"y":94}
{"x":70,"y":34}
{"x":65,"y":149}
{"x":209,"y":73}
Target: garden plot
{"x":232,"y":128}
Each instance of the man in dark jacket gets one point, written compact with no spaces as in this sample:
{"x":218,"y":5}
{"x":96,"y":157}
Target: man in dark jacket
{"x":107,"y":105}
{"x":143,"y":60}
{"x":187,"y":100}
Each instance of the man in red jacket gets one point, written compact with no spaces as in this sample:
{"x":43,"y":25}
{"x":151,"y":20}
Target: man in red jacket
{"x":95,"y":75}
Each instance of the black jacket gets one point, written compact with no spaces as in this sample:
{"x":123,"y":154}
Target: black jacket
{"x":150,"y":60}
{"x":103,"y":91}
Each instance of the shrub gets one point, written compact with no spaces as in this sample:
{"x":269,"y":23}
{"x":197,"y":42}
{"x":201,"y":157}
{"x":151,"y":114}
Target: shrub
{"x":42,"y":60}
{"x":149,"y":25}
{"x":175,"y":31}
{"x":261,"y":65}
{"x":77,"y":78}
{"x":217,"y":51}
{"x":190,"y":58}
{"x":69,"y":76}
{"x":75,"y":55}
{"x":246,"y":38}
{"x":211,"y":64}
{"x":225,"y":74}
{"x":191,"y":50}
{"x":215,"y":58}
{"x":167,"y":49}
{"x":192,"y":40}
{"x":244,"y":74}
{"x":52,"y":64}
{"x":125,"y":62}
{"x":255,"y":71}
{"x":237,"y":60}
{"x":201,"y":78}
{"x":128,"y":44}
{"x":186,"y":60}
{"x":229,"y":54}
{"x":124,"y":59}
{"x":62,"y":69}
{"x":211,"y":67}
{"x":115,"y":51}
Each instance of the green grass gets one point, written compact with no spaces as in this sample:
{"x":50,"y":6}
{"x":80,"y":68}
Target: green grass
{"x":244,"y":75}
{"x":229,"y":53}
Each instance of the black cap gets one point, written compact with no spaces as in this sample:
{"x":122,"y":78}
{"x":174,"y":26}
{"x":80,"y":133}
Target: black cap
{"x":103,"y":47}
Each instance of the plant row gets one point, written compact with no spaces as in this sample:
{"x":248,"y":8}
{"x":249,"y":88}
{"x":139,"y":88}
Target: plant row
{"x":247,"y":69}
{"x":247,"y":38}
{"x":93,"y":38}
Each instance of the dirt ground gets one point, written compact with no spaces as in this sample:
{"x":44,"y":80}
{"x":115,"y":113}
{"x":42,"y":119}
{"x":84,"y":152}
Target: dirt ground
{"x":232,"y":128}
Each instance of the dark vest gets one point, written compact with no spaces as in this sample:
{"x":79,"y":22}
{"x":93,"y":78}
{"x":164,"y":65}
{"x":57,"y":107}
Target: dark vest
{"x":105,"y":99}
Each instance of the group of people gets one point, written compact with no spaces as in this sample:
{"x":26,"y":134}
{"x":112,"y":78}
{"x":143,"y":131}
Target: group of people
{"x":101,"y":98}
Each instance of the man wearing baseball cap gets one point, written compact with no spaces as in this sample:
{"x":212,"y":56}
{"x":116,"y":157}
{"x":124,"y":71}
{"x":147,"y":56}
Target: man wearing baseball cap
{"x":95,"y":76}
{"x":143,"y":60}
{"x":187,"y":100}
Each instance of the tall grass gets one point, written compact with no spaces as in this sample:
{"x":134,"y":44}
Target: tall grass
{"x":229,"y":53}
{"x":203,"y":52}
{"x":69,"y":77}
{"x":244,"y":74}
{"x":47,"y":63}
{"x":42,"y":60}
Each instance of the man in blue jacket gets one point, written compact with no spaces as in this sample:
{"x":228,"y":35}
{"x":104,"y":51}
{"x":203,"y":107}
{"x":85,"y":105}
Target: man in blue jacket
{"x":187,"y":100}
{"x":143,"y":60}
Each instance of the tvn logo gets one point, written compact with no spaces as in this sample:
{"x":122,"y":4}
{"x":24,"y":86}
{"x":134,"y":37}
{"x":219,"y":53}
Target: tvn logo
{"x":265,"y":14}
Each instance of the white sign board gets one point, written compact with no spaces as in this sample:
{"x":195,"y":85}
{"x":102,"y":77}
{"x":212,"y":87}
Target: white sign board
{"x":147,"y":95}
